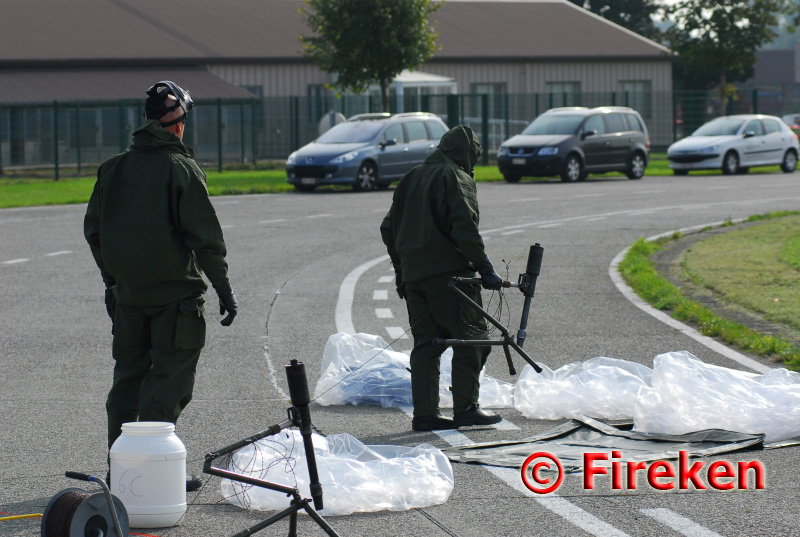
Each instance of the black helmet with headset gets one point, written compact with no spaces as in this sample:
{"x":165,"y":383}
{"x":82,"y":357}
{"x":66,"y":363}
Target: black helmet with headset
{"x":155,"y":107}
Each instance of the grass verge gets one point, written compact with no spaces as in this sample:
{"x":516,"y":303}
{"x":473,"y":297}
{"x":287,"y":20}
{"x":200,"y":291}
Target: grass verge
{"x":638,"y":270}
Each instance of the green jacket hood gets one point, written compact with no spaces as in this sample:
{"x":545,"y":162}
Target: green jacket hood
{"x":461,"y":146}
{"x":153,"y":137}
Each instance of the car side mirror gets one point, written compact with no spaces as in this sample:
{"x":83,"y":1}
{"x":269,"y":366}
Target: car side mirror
{"x":391,"y":141}
{"x":749,"y":134}
{"x":588,"y":133}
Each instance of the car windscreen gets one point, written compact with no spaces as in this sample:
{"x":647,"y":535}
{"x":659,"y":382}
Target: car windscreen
{"x":554,"y":124}
{"x":351,"y":132}
{"x":720,"y":127}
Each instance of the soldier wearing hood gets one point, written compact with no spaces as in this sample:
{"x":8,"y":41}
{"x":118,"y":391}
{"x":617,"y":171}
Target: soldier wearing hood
{"x":431,"y":234}
{"x":152,"y":230}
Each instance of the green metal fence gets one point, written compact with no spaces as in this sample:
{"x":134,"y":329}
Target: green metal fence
{"x":83,"y":134}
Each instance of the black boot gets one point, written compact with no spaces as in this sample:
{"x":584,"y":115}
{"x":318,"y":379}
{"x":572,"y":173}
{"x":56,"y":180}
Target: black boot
{"x":475,"y":416}
{"x":432,"y":422}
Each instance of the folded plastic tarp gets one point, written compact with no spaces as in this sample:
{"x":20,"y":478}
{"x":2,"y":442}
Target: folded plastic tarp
{"x":362,"y":369}
{"x":354,"y":477}
{"x":569,"y":441}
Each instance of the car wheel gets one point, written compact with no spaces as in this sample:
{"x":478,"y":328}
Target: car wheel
{"x":680,"y":172}
{"x":730,"y":164}
{"x":636,"y":166}
{"x":512,"y":178}
{"x":573,"y":169}
{"x":789,"y":163}
{"x":305,"y":188}
{"x":366,"y":178}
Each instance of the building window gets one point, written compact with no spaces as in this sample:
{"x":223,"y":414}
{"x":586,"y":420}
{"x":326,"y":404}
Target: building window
{"x":636,"y":94}
{"x":563,"y":94}
{"x":497,"y":98}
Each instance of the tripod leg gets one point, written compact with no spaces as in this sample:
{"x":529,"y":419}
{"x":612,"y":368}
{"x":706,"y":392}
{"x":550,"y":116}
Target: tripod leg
{"x":511,"y":370}
{"x":320,"y":521}
{"x":293,"y":525}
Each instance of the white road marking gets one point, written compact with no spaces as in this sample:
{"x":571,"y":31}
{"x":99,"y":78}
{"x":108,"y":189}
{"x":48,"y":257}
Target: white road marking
{"x":596,"y":218}
{"x":549,"y":225}
{"x":323,"y":215}
{"x":519,"y":200}
{"x":511,"y":476}
{"x":344,"y":305}
{"x":272,"y":221}
{"x":383,"y":313}
{"x":385,"y":279}
{"x":61,"y":252}
{"x":627,"y":292}
{"x":396,"y":332}
{"x":513,"y":232}
{"x":679,"y":523}
{"x":380,"y":294}
{"x":15,"y":261}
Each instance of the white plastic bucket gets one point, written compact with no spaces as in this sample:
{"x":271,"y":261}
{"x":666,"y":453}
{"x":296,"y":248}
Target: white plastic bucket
{"x":148,"y":473}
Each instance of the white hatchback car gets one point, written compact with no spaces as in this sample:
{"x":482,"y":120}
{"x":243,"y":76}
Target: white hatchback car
{"x":734,"y":144}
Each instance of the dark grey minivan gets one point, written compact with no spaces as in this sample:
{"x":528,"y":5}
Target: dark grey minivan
{"x":576,"y":141}
{"x":367,"y":151}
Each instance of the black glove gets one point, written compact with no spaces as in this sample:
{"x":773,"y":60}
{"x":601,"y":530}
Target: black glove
{"x":398,"y":281}
{"x":111,"y":303}
{"x":227,"y":303}
{"x":489,"y":278}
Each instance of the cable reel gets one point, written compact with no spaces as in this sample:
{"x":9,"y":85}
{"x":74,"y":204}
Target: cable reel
{"x":73,"y":512}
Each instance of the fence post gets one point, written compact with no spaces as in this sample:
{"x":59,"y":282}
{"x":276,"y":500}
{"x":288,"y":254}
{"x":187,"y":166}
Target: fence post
{"x":452,"y":110}
{"x":254,"y":126}
{"x":755,"y":101}
{"x":55,"y":139}
{"x":295,"y":111}
{"x":78,"y":133}
{"x":241,"y":129}
{"x":485,"y":127}
{"x":219,"y":134}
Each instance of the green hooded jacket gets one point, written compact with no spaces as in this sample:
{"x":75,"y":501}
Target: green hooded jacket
{"x":432,"y":225}
{"x":150,"y":224}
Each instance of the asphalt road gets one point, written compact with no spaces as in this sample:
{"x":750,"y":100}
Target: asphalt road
{"x":305,"y":266}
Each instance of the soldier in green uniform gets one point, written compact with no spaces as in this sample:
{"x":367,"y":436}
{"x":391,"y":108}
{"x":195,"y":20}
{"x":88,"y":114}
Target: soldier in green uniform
{"x":431,"y":234}
{"x":152,"y":230}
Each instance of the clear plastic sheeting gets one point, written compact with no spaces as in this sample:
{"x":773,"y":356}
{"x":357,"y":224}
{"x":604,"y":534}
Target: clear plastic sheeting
{"x":354,"y":477}
{"x":598,"y":388}
{"x":689,"y":395}
{"x":362,"y":369}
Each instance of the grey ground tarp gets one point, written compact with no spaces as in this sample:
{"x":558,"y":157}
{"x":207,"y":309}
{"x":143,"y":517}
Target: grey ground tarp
{"x":569,"y":441}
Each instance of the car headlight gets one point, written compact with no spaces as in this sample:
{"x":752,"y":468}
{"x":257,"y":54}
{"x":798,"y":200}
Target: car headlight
{"x":710,"y":149}
{"x":548,"y":151}
{"x":502,"y":151}
{"x":347,"y":157}
{"x":291,"y":159}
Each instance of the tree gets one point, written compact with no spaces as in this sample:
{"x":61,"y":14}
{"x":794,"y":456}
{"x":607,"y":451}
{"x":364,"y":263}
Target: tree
{"x":635,"y":15}
{"x":716,"y":40}
{"x":366,"y":42}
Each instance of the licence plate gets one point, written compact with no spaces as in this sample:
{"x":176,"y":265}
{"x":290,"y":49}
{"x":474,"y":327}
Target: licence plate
{"x":518,"y":161}
{"x":308,"y":181}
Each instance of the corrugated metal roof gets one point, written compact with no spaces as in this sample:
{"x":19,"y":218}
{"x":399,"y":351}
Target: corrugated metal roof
{"x":45,"y":86}
{"x":151,"y":32}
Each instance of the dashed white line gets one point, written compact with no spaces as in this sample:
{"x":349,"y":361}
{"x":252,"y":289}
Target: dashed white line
{"x":385,"y":279}
{"x":513,"y":232}
{"x":15,"y":261}
{"x":396,"y":332}
{"x":524,"y":199}
{"x":679,"y":523}
{"x":380,"y":294}
{"x":323,"y":215}
{"x":277,"y":220}
{"x":61,"y":252}
{"x":383,"y":313}
{"x":543,"y":226}
{"x":595,"y":219}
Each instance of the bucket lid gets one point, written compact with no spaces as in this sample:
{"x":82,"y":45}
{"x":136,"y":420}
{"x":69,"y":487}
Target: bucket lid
{"x":148,"y":428}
